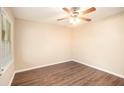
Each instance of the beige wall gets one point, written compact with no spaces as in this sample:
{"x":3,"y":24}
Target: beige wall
{"x":7,"y":76}
{"x":40,"y":44}
{"x":101,"y":44}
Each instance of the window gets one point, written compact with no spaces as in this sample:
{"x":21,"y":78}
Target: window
{"x":5,"y":41}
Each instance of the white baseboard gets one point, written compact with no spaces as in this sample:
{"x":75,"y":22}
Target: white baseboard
{"x":36,"y":67}
{"x":10,"y":82}
{"x":104,"y":70}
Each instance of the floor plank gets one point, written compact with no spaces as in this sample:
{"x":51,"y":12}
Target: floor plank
{"x":66,"y":74}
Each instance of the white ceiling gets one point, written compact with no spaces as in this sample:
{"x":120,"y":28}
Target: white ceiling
{"x":50,"y":14}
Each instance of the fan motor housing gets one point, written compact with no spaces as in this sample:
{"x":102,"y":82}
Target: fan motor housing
{"x":75,"y":12}
{"x":74,"y":9}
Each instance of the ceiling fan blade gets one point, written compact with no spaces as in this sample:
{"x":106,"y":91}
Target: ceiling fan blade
{"x":66,"y":10}
{"x":86,"y":19}
{"x":62,"y":19}
{"x":89,"y":10}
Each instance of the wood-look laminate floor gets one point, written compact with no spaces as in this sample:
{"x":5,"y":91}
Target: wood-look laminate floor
{"x":66,"y":74}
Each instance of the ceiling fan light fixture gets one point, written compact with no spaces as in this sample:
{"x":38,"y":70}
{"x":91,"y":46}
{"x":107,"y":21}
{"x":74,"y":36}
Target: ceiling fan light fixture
{"x":74,"y":20}
{"x":75,"y":14}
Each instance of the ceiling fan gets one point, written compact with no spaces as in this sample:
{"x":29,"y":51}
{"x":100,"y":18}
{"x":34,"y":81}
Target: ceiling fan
{"x":75,"y":15}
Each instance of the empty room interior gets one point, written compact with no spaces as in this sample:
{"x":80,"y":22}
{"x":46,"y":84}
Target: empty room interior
{"x":61,"y":46}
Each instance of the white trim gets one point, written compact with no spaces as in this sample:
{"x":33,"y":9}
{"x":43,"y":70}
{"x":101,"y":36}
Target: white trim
{"x":10,"y":82}
{"x":5,"y":13}
{"x":4,"y":71}
{"x":36,"y":67}
{"x":104,"y":70}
